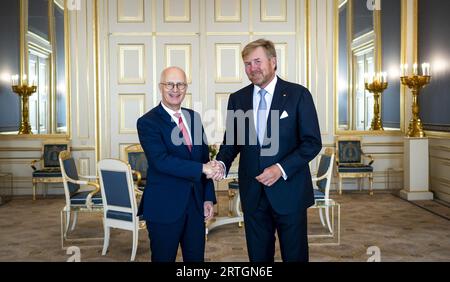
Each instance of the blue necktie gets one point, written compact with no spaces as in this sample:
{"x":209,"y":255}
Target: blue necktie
{"x":262,"y":116}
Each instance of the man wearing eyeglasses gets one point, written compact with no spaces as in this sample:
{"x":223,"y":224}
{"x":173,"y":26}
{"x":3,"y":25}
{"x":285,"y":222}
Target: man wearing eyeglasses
{"x":178,"y":197}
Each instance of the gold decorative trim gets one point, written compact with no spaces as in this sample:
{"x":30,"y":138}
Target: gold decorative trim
{"x":236,"y":47}
{"x":369,"y":133}
{"x":140,"y":98}
{"x":186,"y":18}
{"x":443,"y":160}
{"x":139,"y":18}
{"x":220,"y":97}
{"x":230,"y":33}
{"x":140,"y":48}
{"x":187,"y":48}
{"x":440,"y":148}
{"x":383,"y":144}
{"x":282,"y":57}
{"x":21,"y":149}
{"x":98,"y":135}
{"x":444,"y":181}
{"x":280,"y":18}
{"x":437,"y":134}
{"x":34,"y":136}
{"x":218,"y":17}
{"x":82,"y":148}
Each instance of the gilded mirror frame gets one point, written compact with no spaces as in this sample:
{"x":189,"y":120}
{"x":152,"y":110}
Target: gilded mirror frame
{"x":24,"y":70}
{"x":378,"y":66}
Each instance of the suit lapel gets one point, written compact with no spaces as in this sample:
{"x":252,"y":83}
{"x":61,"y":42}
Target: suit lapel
{"x":279,"y":97}
{"x":166,"y":117}
{"x":278,"y":101}
{"x":169,"y":121}
{"x":190,"y":120}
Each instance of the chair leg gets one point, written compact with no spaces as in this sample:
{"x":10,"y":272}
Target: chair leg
{"x":67,"y":222}
{"x":34,"y":191}
{"x":321,"y":217}
{"x":135,"y":242}
{"x":74,"y":222}
{"x":327,"y":215}
{"x":106,"y":240}
{"x":340,"y":185}
{"x":371,"y":185}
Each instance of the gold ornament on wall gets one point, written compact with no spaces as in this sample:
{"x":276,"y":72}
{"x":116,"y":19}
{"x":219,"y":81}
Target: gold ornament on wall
{"x":24,"y":91}
{"x":416,"y":82}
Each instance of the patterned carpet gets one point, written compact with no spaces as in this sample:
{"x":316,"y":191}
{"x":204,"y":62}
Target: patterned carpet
{"x":30,"y":231}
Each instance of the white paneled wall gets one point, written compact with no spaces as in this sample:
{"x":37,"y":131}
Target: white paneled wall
{"x":203,"y":37}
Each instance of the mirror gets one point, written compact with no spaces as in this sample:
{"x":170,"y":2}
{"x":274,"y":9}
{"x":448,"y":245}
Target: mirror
{"x":369,"y":43}
{"x":42,"y":63}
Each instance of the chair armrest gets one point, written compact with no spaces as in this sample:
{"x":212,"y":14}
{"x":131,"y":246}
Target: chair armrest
{"x":319,"y":178}
{"x":79,"y":182}
{"x":137,"y":191}
{"x":370,"y":158}
{"x":138,"y":176}
{"x":93,"y":177}
{"x":89,"y":203}
{"x":32,"y":164}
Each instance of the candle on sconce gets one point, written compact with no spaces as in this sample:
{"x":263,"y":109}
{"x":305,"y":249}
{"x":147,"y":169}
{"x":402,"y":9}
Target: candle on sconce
{"x":426,"y":69}
{"x":15,"y":80}
{"x":25,"y":79}
{"x":383,"y":77}
{"x":415,"y":69}
{"x":33,"y":80}
{"x":404,"y":70}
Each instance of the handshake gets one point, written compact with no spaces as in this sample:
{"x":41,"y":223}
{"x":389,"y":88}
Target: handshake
{"x":214,"y":170}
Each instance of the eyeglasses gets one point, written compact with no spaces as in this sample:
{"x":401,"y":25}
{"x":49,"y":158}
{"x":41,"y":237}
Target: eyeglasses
{"x":170,"y":85}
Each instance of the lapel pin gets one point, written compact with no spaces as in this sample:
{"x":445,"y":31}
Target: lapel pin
{"x":284,"y":95}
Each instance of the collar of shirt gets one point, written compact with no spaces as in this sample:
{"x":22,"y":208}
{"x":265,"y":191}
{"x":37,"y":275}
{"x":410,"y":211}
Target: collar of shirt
{"x":175,"y":119}
{"x":270,"y":88}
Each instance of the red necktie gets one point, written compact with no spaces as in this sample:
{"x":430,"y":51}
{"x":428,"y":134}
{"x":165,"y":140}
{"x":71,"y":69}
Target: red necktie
{"x":183,"y":129}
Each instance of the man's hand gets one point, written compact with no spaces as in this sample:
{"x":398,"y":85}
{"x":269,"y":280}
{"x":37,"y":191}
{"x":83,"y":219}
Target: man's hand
{"x":213,"y":170}
{"x":270,"y":176}
{"x":220,"y":172}
{"x":208,"y":210}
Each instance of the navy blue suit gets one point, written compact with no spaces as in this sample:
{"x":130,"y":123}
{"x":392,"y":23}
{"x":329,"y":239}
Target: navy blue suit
{"x":283,"y":206}
{"x":172,"y":203}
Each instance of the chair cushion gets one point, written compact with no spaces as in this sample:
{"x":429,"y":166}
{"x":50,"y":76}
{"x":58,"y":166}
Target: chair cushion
{"x":318,"y":194}
{"x":355,"y":169}
{"x":47,"y":172}
{"x":79,"y":198}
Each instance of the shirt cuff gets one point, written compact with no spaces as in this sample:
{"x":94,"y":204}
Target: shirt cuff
{"x":282,"y":171}
{"x":224,"y":169}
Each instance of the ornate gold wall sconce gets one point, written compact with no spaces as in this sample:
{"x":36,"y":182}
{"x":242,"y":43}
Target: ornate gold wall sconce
{"x":376,"y":85}
{"x":416,"y":82}
{"x":24,"y":91}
